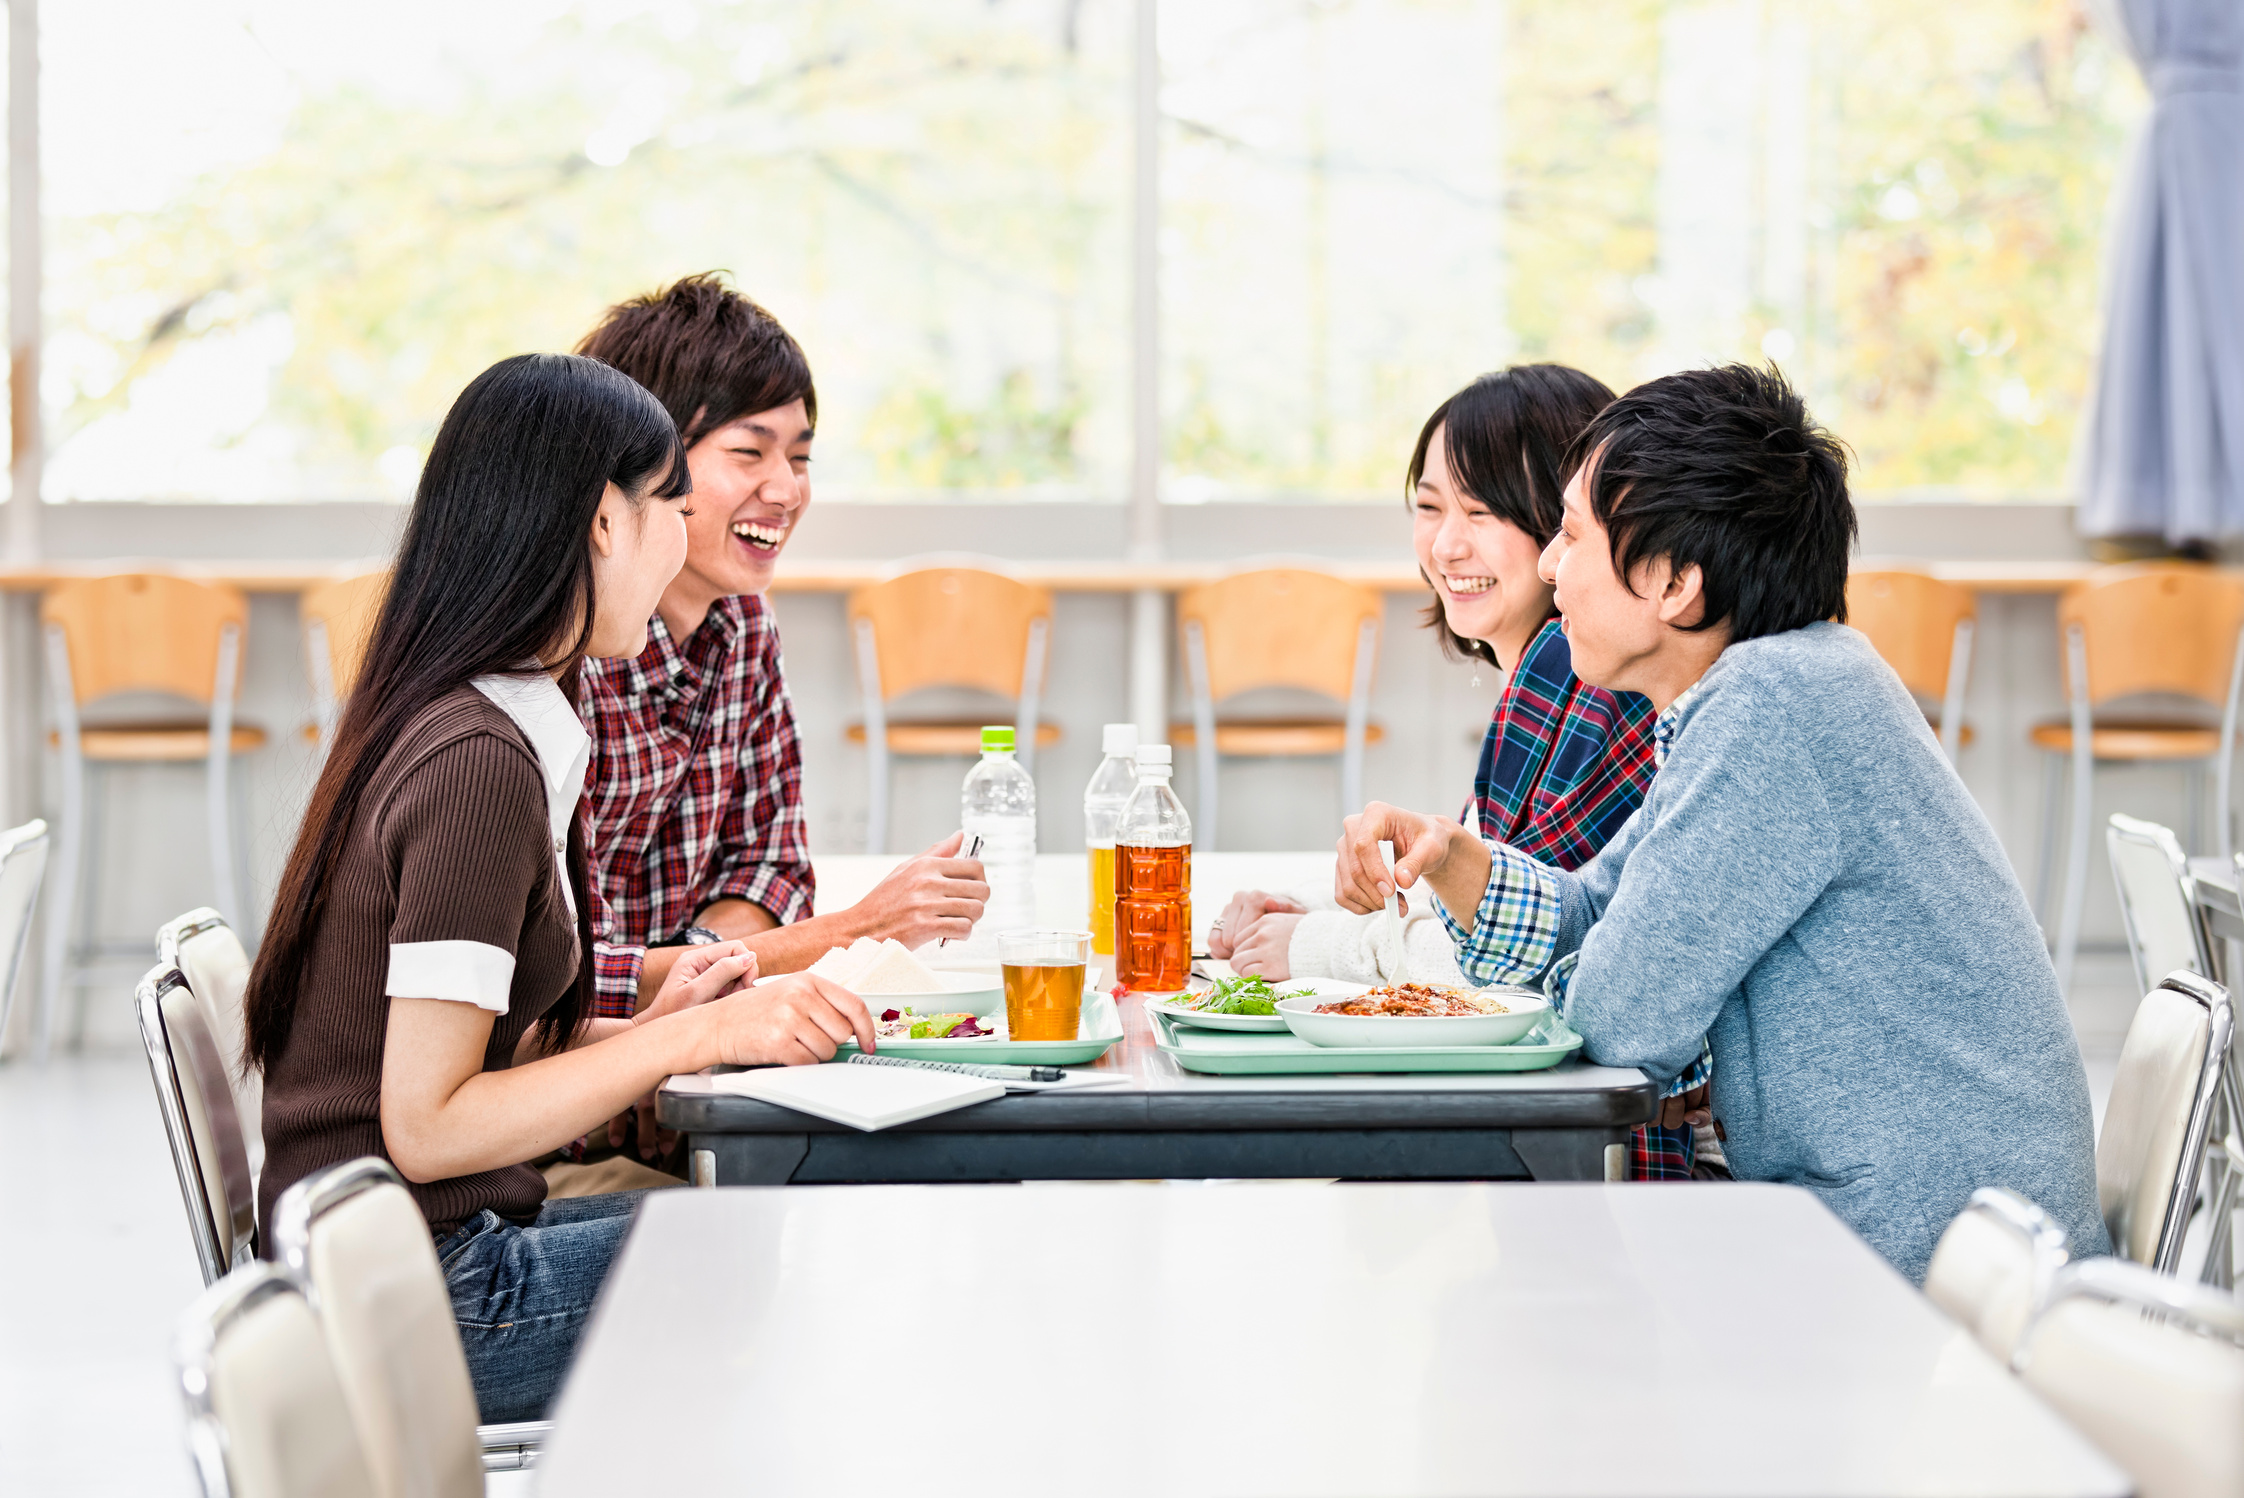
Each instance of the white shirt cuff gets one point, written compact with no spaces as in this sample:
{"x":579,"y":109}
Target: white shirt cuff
{"x":466,"y":972}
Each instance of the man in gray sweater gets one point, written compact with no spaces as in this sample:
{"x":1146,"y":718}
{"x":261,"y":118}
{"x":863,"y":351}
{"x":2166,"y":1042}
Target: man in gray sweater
{"x":1808,"y":885}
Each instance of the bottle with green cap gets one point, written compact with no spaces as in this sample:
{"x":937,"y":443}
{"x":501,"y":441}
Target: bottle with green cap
{"x":998,"y":806}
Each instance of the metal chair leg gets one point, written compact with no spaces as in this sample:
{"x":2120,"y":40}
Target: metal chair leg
{"x":2052,"y":806}
{"x":215,"y":779}
{"x":1205,"y":806}
{"x":55,"y":936}
{"x":2084,"y":789}
{"x":876,"y":739}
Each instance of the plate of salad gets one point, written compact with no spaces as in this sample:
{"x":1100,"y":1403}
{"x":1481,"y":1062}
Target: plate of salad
{"x":1249,"y":1003}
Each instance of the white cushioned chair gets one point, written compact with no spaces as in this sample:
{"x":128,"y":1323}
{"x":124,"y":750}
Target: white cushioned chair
{"x":2150,"y":1369}
{"x":210,"y":957}
{"x":1993,"y":1266}
{"x":352,"y":1234}
{"x":2171,"y":1070}
{"x":266,"y":1416}
{"x":200,"y":1123}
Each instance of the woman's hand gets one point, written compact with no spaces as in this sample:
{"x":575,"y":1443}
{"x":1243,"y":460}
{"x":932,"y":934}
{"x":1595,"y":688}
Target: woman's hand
{"x":701,"y":975}
{"x":791,"y":1021}
{"x":1261,"y":948}
{"x":1246,"y":907}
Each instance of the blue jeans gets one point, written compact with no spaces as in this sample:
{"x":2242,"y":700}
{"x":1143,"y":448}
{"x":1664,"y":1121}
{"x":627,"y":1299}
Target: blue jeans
{"x":521,"y":1294}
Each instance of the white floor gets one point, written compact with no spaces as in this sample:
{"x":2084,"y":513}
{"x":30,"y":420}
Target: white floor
{"x":95,"y":1263}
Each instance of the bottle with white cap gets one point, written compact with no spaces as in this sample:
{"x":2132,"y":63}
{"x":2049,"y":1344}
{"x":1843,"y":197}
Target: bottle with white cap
{"x":998,"y":806}
{"x":1103,"y":799}
{"x":1153,"y":882}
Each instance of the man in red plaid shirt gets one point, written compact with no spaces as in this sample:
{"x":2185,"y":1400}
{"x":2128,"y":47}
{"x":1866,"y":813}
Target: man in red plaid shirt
{"x":695,"y":789}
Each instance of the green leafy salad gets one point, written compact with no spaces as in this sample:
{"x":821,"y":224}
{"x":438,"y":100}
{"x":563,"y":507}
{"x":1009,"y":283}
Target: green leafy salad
{"x":1240,"y":995}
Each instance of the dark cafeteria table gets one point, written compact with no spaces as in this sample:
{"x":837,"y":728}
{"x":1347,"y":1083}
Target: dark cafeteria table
{"x":1570,"y":1123}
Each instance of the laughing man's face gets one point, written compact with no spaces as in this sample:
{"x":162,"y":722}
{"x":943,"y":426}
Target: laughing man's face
{"x":751,"y":484}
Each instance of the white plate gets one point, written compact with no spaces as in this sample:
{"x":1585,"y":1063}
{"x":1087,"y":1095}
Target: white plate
{"x":1416,"y":1031}
{"x":961,"y":993}
{"x":1324,"y":991}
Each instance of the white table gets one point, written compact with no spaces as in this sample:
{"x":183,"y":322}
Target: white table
{"x":1063,"y":881}
{"x":1283,"y":1340}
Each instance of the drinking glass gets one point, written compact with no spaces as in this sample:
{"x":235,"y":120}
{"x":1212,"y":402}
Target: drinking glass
{"x":1043,"y":982}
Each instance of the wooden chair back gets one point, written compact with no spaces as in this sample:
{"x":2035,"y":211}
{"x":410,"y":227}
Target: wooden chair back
{"x":2156,"y":627}
{"x":145,"y":631}
{"x":1280,"y":627}
{"x":345,"y":612}
{"x":1911,"y":618}
{"x":950,"y":627}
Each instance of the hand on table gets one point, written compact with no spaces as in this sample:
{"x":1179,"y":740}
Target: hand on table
{"x":936,"y":895}
{"x":1261,"y":950}
{"x":1246,"y":907}
{"x":791,"y":1021}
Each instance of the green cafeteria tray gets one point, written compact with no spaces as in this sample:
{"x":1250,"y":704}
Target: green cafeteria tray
{"x":1230,"y":1053}
{"x":1101,"y":1028}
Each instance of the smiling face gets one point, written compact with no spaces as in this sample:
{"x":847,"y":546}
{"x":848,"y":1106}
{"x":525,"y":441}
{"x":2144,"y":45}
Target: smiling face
{"x":1481,"y":565}
{"x":637,"y":548}
{"x":1626,"y":639}
{"x":751,"y":484}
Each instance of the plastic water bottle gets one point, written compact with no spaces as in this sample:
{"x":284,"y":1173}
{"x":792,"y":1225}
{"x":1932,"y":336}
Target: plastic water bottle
{"x":1153,"y":882}
{"x":1103,"y":800}
{"x":998,"y":805}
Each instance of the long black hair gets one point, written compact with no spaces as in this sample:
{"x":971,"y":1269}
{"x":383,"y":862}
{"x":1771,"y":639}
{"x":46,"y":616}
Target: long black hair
{"x":1507,"y":438}
{"x":495,"y":571}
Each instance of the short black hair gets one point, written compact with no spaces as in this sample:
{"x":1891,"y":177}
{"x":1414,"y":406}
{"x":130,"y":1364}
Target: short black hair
{"x":1509,"y":433}
{"x":1724,"y":469}
{"x":709,"y":354}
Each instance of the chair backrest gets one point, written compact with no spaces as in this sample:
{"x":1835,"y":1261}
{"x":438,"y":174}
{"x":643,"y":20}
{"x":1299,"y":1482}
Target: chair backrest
{"x":145,"y":631}
{"x":23,"y":864}
{"x":340,"y":616}
{"x":1281,"y":627}
{"x":210,"y":957}
{"x":2158,"y":898}
{"x":266,"y":1416}
{"x":2155,"y":1122}
{"x":2150,"y":1370}
{"x":204,"y":1131}
{"x":1991,"y":1266}
{"x":352,"y":1233}
{"x":1911,"y":619}
{"x":2156,"y":627}
{"x":951,"y":627}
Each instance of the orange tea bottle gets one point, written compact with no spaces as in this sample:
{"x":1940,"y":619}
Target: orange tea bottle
{"x":1153,"y":882}
{"x":1103,"y":800}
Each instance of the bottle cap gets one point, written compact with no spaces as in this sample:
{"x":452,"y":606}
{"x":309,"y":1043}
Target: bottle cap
{"x":1153,"y":756}
{"x":1121,"y":738}
{"x":996,"y":738}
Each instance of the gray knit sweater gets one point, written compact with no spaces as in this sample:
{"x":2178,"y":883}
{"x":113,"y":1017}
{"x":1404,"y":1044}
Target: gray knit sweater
{"x":1810,"y":887}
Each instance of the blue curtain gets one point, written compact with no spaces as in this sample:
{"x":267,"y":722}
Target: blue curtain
{"x":2163,"y":445}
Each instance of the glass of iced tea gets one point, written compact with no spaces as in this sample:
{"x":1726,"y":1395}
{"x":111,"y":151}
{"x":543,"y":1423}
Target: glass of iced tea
{"x":1043,"y":982}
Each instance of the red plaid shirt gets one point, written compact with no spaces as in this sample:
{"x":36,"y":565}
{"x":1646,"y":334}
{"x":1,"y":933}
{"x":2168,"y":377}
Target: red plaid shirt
{"x":695,"y":791}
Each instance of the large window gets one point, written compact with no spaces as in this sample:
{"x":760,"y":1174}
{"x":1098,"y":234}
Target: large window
{"x":284,"y":232}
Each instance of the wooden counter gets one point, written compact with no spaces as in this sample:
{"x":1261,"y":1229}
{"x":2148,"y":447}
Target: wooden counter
{"x":813,"y":575}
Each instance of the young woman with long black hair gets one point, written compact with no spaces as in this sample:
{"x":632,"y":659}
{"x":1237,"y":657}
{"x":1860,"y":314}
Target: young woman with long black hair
{"x":422,"y":992}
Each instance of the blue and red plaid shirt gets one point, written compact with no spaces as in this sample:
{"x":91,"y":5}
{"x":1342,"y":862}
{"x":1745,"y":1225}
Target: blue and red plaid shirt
{"x":1563,"y":765}
{"x":695,"y":790}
